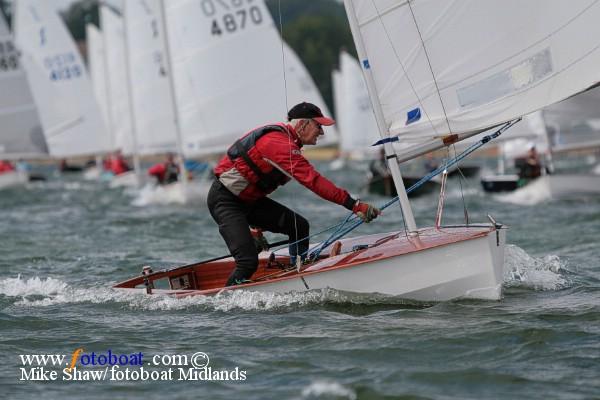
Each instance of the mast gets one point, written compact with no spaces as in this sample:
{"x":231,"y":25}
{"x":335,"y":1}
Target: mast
{"x":383,"y":131}
{"x":109,"y":114}
{"x":163,"y":17}
{"x":136,"y":156}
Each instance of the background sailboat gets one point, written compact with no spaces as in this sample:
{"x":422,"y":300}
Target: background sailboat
{"x":228,"y":69}
{"x":561,"y":127}
{"x":153,"y":103}
{"x":69,"y":113}
{"x":119,"y":94}
{"x":21,"y":134}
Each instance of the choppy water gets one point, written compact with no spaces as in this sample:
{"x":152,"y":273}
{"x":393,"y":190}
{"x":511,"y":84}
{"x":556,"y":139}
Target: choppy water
{"x":65,"y":242}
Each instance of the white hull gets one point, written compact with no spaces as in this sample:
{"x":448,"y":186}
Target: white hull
{"x":92,"y":174}
{"x":558,"y":186}
{"x":596,"y":170}
{"x":127,"y":179}
{"x":15,"y":178}
{"x":467,"y":269}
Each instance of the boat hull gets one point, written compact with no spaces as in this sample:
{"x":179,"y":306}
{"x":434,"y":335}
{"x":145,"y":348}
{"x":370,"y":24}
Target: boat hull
{"x":437,"y":265}
{"x":467,"y":269}
{"x":127,"y":179}
{"x":501,"y":183}
{"x":562,"y":186}
{"x":13,"y":178}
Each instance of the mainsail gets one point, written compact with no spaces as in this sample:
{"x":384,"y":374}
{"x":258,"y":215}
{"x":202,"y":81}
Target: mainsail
{"x":69,"y":113}
{"x":148,"y":75}
{"x":97,"y":71}
{"x":21,"y":134}
{"x":441,"y":69}
{"x":227,"y":64}
{"x":118,"y":89}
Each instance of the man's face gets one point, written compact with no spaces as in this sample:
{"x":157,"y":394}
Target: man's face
{"x":310,"y":132}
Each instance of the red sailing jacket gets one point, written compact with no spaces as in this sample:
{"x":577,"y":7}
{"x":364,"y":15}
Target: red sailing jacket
{"x":266,"y":147}
{"x":6,"y":166}
{"x":118,"y":165}
{"x":162,"y":170}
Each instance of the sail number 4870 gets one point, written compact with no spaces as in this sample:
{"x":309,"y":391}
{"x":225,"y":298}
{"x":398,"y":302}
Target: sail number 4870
{"x":230,"y":15}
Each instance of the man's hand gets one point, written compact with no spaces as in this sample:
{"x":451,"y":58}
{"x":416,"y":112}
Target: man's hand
{"x":365,"y":211}
{"x":260,"y":241}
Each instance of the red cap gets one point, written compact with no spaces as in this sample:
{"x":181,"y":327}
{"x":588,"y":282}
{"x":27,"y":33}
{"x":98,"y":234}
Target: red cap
{"x":309,"y":110}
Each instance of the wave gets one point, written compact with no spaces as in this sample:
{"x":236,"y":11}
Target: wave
{"x":544,"y":273}
{"x":27,"y":293}
{"x":328,"y":390}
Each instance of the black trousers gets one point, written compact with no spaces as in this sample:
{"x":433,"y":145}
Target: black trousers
{"x":234,"y":218}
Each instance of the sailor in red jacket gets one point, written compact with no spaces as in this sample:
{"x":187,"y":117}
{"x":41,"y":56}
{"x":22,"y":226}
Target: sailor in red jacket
{"x":254,"y":166}
{"x":118,"y":165}
{"x":6,"y":166}
{"x":166,"y":172}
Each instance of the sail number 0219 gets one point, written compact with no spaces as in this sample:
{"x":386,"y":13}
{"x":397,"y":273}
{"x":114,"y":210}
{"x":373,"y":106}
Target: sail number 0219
{"x":235,"y":15}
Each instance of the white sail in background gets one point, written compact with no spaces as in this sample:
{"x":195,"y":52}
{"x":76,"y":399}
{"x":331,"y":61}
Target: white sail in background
{"x":460,"y":67}
{"x":151,"y":93}
{"x":21,"y":134}
{"x":97,"y":71}
{"x":354,"y":114}
{"x":574,"y":123}
{"x":63,"y":93}
{"x":227,"y":64}
{"x":116,"y":74}
{"x":301,"y":87}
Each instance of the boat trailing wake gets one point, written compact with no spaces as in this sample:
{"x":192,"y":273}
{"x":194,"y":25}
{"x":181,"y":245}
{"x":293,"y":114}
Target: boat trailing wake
{"x":521,"y":270}
{"x":193,"y":193}
{"x":545,"y":273}
{"x":46,"y":292}
{"x":534,"y":193}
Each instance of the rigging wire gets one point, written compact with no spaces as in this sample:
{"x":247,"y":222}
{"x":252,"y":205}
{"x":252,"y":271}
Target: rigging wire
{"x":285,"y":96}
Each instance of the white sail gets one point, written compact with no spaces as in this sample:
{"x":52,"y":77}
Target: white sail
{"x":63,"y":93}
{"x":460,"y":67}
{"x":574,"y":123}
{"x":151,"y":94}
{"x":118,"y":88}
{"x":97,"y":71}
{"x":227,"y":64}
{"x":21,"y":134}
{"x":300,"y":87}
{"x":354,"y":114}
